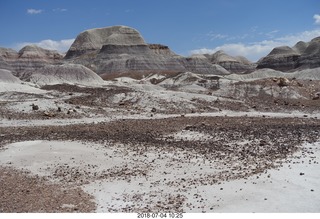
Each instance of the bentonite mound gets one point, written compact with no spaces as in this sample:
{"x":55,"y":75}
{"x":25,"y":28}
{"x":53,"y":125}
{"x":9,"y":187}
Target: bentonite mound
{"x":28,"y":58}
{"x":300,"y":47}
{"x":66,"y":73}
{"x":201,"y":65}
{"x":281,"y":58}
{"x":121,"y":51}
{"x":7,"y":77}
{"x":93,"y":40}
{"x":302,"y":56}
{"x":310,"y":57}
{"x":232,"y":64}
{"x":33,"y":51}
{"x":7,"y":56}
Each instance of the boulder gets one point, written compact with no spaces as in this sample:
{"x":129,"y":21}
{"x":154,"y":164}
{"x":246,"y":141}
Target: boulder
{"x":282,"y":82}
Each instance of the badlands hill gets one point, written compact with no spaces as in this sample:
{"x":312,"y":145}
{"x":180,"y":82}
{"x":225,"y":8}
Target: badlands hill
{"x":303,"y":55}
{"x":30,"y":57}
{"x":121,"y":50}
{"x":233,"y":64}
{"x":63,"y":74}
{"x":7,"y":77}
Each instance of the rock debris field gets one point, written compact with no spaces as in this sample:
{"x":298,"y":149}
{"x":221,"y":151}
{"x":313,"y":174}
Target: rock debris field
{"x":178,"y":164}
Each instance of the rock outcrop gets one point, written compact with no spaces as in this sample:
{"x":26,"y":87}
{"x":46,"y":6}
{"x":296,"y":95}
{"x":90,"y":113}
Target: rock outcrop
{"x":161,"y":49}
{"x":237,"y":65}
{"x":303,"y":55}
{"x":122,"y":51}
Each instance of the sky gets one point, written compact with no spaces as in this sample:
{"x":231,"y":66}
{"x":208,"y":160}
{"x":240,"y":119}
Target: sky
{"x":251,"y":28}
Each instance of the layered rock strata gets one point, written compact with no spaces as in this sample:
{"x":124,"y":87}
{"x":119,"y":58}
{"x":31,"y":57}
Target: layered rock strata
{"x":303,"y":55}
{"x":237,"y":65}
{"x":28,"y":58}
{"x":121,"y":50}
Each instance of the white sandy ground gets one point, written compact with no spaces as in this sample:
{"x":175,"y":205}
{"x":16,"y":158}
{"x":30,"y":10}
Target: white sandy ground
{"x":294,"y":187}
{"x":19,"y":87}
{"x":96,"y":120}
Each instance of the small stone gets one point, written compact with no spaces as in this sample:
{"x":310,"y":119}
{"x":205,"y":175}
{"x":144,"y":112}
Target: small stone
{"x":283,"y":82}
{"x":35,"y":107}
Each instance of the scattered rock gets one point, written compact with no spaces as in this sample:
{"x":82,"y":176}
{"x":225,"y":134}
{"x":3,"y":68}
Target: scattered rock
{"x":35,"y":107}
{"x":316,"y":96}
{"x":282,"y":82}
{"x":70,"y":111}
{"x":49,"y":114}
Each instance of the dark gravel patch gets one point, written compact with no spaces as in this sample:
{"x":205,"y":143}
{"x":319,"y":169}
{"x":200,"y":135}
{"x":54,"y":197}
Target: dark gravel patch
{"x":21,"y":192}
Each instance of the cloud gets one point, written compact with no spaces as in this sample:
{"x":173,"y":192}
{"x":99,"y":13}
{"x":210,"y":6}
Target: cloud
{"x":60,"y":45}
{"x":34,"y":11}
{"x":271,"y":34}
{"x":316,"y":17}
{"x":60,"y":10}
{"x":214,"y":36}
{"x":255,"y":50}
